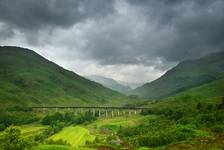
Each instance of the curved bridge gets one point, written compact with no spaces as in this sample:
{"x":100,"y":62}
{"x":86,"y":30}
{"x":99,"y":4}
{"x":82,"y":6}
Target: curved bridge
{"x":99,"y":111}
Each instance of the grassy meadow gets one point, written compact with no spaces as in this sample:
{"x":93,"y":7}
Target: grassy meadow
{"x":75,"y":136}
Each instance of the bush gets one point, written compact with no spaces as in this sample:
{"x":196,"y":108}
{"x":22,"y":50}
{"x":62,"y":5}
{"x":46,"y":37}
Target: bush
{"x":146,"y":112}
{"x":207,"y":118}
{"x":17,"y":118}
{"x":155,"y":140}
{"x":57,"y":126}
{"x":23,"y":118}
{"x":68,"y":118}
{"x":87,"y":117}
{"x":184,"y":132}
{"x":2,"y":127}
{"x":50,"y":119}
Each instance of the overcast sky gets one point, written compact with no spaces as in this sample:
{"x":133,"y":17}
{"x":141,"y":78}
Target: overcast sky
{"x":128,"y":40}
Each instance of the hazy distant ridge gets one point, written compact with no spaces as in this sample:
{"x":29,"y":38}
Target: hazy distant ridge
{"x":109,"y":83}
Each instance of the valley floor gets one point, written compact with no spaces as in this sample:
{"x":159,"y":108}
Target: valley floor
{"x":78,"y":136}
{"x":167,"y":125}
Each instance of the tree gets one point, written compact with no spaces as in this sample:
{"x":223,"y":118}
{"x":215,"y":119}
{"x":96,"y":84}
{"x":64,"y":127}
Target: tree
{"x":209,"y":106}
{"x":198,"y":106}
{"x":49,"y":119}
{"x":11,"y":140}
{"x":2,"y":127}
{"x":221,"y":106}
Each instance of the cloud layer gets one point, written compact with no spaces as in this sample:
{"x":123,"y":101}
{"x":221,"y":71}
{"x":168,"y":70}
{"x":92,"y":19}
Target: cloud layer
{"x":132,"y":40}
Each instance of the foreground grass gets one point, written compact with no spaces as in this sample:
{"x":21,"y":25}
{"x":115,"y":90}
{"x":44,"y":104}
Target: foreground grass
{"x":74,"y":135}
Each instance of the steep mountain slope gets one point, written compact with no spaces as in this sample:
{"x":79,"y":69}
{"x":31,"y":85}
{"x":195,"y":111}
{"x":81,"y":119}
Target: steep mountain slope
{"x":109,"y":83}
{"x":203,"y":92}
{"x":184,"y":76}
{"x":26,"y":78}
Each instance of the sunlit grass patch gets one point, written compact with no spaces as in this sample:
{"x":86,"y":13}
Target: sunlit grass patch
{"x":31,"y":129}
{"x":74,"y":135}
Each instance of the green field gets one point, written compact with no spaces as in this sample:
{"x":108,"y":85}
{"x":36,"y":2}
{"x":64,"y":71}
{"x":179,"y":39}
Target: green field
{"x":113,"y":124}
{"x":77,"y":136}
{"x":74,"y":135}
{"x":31,"y":129}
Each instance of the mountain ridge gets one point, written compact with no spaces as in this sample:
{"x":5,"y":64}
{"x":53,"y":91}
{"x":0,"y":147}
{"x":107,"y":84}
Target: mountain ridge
{"x":186,"y":75}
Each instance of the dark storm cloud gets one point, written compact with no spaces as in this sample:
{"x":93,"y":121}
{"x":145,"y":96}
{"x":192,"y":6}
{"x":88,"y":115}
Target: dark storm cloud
{"x":173,"y":31}
{"x":147,"y":32}
{"x":5,"y":31}
{"x":37,"y":14}
{"x":196,"y":24}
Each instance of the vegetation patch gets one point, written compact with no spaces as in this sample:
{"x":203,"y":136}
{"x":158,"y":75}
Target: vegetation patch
{"x":31,"y":129}
{"x":74,"y":135}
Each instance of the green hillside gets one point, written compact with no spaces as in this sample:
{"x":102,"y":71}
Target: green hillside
{"x":208,"y":93}
{"x":186,"y":75}
{"x":26,"y":78}
{"x":205,"y":91}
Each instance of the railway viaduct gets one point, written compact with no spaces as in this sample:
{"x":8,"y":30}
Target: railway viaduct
{"x":99,"y":111}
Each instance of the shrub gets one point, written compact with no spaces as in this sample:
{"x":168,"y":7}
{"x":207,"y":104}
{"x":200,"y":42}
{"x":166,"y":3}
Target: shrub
{"x":17,"y":118}
{"x":87,"y":117}
{"x":184,"y":132}
{"x":207,"y":118}
{"x":155,"y":140}
{"x":50,"y":119}
{"x":210,"y":107}
{"x":198,"y":106}
{"x":146,"y":112}
{"x":2,"y":127}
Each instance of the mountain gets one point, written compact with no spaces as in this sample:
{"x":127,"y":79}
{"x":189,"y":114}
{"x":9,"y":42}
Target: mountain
{"x":109,"y":83}
{"x":185,"y":75}
{"x":203,"y":92}
{"x":132,"y":85}
{"x":26,"y":78}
